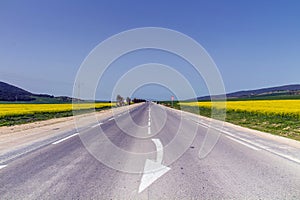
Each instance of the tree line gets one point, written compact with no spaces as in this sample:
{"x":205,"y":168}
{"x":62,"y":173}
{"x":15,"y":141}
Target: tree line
{"x":122,"y":101}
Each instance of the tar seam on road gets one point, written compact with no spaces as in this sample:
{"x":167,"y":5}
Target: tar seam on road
{"x":243,"y":143}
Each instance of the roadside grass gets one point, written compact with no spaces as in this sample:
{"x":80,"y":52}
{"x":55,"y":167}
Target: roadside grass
{"x":277,"y":124}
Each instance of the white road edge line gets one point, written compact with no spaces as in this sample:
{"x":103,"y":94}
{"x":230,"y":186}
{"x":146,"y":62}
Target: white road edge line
{"x":243,"y":143}
{"x":59,"y":141}
{"x":256,"y":144}
{"x":285,"y":156}
{"x":235,"y":137}
{"x":203,"y":125}
{"x":242,"y":139}
{"x":2,"y":166}
{"x":239,"y":139}
{"x":260,"y":147}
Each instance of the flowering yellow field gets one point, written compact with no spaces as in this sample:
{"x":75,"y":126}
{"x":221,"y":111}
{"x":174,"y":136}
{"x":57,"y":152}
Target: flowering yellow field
{"x":280,"y":107}
{"x":22,"y":109}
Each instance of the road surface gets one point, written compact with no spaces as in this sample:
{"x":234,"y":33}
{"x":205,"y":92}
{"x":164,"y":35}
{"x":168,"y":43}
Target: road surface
{"x":241,"y":165}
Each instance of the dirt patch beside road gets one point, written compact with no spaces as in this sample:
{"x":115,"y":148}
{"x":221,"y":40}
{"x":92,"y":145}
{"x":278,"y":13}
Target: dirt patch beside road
{"x":18,"y":136}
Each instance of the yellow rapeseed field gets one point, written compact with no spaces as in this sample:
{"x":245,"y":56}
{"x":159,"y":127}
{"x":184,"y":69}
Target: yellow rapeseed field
{"x":280,"y":107}
{"x":23,"y":109}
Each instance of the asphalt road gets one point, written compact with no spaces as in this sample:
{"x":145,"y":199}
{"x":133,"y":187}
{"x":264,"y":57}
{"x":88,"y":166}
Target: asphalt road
{"x":241,"y":165}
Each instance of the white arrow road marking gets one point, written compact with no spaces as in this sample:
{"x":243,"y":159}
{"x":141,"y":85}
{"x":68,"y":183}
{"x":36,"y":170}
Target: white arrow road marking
{"x":159,"y":150}
{"x":153,"y":169}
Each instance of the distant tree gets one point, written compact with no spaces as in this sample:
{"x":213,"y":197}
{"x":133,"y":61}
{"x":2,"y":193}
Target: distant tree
{"x":135,"y":100}
{"x":120,"y":100}
{"x":128,"y":100}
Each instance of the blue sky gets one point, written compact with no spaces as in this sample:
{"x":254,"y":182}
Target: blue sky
{"x":254,"y":43}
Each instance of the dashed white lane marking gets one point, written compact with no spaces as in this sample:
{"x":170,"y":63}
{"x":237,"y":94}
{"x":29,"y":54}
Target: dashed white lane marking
{"x":149,"y":122}
{"x":96,"y":125}
{"x":59,"y":141}
{"x":243,"y":143}
{"x":110,"y":119}
{"x":2,"y":166}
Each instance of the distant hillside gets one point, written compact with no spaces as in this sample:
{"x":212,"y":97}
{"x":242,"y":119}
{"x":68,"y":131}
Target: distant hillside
{"x":10,"y":93}
{"x":281,"y":92}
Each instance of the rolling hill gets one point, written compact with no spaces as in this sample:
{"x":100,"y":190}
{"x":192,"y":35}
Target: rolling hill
{"x":280,"y":92}
{"x":10,"y":93}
